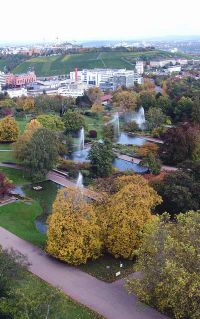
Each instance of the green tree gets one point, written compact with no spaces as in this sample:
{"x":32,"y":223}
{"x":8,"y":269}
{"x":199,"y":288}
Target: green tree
{"x":73,"y":233}
{"x":164,"y":103}
{"x":152,"y":163}
{"x":51,"y":122}
{"x":155,"y":118}
{"x":9,"y":129}
{"x":169,"y":261}
{"x":196,"y":111}
{"x":146,"y":99}
{"x":73,"y":121}
{"x":101,"y":157}
{"x":41,"y":154}
{"x":183,"y":109}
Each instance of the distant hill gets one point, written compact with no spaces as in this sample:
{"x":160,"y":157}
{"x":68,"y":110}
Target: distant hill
{"x":62,"y":64}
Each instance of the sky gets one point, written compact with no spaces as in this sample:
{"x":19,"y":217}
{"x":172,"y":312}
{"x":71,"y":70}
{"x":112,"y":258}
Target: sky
{"x":82,"y":20}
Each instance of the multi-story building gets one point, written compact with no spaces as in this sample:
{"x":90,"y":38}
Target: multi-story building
{"x":2,"y":80}
{"x":106,"y":78}
{"x":139,"y":67}
{"x":17,"y":92}
{"x":18,"y":80}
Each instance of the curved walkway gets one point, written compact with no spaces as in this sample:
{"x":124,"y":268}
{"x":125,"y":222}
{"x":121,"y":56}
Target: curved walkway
{"x":110,"y":300}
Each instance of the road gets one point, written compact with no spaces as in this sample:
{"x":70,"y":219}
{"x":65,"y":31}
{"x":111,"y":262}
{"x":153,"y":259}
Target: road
{"x":111,"y":300}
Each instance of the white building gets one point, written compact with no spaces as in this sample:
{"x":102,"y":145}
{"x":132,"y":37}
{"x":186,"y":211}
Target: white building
{"x":162,"y":63}
{"x":73,"y":89}
{"x":100,"y":77}
{"x":139,"y":67}
{"x":2,"y":79}
{"x":174,"y":68}
{"x":17,"y":92}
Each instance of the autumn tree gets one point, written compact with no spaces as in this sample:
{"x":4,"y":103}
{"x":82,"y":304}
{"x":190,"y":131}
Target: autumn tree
{"x":19,"y":146}
{"x":5,"y":185}
{"x":9,"y":129}
{"x":147,"y":148}
{"x":97,"y":108}
{"x":41,"y":153}
{"x":51,"y":122}
{"x":169,"y":259}
{"x":101,"y":157}
{"x":94,"y":94}
{"x":125,"y":100}
{"x":26,"y":103}
{"x":73,"y":233}
{"x":124,"y":214}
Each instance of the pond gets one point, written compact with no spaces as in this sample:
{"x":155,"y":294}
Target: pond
{"x":129,"y":139}
{"x":123,"y":165}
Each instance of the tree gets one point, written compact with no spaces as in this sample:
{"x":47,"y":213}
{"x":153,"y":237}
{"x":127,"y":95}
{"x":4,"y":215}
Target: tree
{"x":19,"y":146}
{"x":169,"y":261}
{"x":152,"y":163}
{"x":108,"y":131}
{"x":181,"y":143}
{"x":94,"y":94}
{"x":180,"y":190}
{"x":146,"y":99}
{"x":73,"y":233}
{"x":5,"y":185}
{"x":41,"y":153}
{"x":26,"y":103}
{"x":97,"y":108}
{"x":73,"y":121}
{"x":147,"y":148}
{"x":125,"y":100}
{"x":101,"y":157}
{"x":9,"y":129}
{"x":196,"y":111}
{"x":124,"y":214}
{"x":51,"y":122}
{"x":183,"y":109}
{"x":155,"y":118}
{"x":164,"y":103}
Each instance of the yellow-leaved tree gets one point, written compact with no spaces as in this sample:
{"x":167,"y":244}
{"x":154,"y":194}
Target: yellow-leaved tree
{"x":20,"y":145}
{"x":73,"y":233}
{"x":124,"y":214}
{"x":9,"y":129}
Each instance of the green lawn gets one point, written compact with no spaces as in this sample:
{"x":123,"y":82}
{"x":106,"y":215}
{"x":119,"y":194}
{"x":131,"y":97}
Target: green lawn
{"x":22,"y":123}
{"x":70,"y":309}
{"x":106,"y":267}
{"x":19,"y":219}
{"x":18,"y":177}
{"x":7,"y":157}
{"x":94,"y":123}
{"x":4,"y":146}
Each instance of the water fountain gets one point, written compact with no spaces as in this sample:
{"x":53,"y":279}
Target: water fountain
{"x":79,"y":182}
{"x":82,"y":139}
{"x":115,"y":123}
{"x":139,"y":117}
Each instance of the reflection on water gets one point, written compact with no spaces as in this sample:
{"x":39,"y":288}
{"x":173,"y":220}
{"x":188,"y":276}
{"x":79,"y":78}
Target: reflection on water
{"x":122,"y":166}
{"x":128,"y":139}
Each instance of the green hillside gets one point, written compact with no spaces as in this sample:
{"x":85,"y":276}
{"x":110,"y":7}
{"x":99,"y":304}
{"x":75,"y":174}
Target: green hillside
{"x":62,"y":64}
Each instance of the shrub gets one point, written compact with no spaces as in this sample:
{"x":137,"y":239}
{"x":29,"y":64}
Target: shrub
{"x":93,"y":134}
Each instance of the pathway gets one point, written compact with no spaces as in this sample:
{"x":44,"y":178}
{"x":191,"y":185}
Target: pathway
{"x":61,"y":180}
{"x":110,"y":300}
{"x":137,"y":161}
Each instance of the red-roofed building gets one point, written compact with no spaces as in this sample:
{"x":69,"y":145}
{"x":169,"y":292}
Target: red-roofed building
{"x":16,"y":80}
{"x":106,"y":99}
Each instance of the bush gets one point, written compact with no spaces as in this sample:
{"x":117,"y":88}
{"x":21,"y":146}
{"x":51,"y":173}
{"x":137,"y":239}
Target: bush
{"x":92,"y":134}
{"x":132,"y":127}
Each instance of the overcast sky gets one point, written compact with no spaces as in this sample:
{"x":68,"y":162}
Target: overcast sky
{"x":39,"y":20}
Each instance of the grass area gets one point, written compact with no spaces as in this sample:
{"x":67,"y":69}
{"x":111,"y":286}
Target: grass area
{"x":19,"y":219}
{"x":62,"y":64}
{"x":22,"y":123}
{"x":4,"y":146}
{"x":70,"y":309}
{"x":7,"y":156}
{"x":106,"y":267}
{"x":94,"y":123}
{"x":18,"y":177}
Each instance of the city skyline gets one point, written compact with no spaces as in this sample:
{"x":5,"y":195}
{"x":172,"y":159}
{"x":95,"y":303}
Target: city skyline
{"x":43,"y":22}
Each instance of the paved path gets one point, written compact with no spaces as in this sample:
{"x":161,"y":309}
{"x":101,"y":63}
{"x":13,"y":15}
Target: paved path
{"x":110,"y":300}
{"x":137,"y":161}
{"x":62,"y":180}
